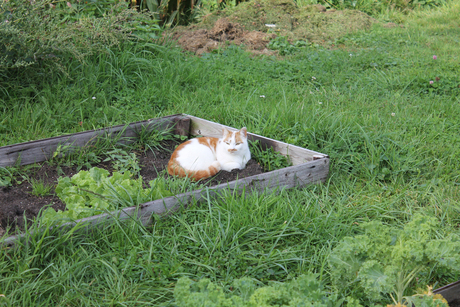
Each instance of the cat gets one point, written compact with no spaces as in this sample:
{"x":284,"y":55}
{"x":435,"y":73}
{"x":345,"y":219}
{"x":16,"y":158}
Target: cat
{"x":203,"y":157}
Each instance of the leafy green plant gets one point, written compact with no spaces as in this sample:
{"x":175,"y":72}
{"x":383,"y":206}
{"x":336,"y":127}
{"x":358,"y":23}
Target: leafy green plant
{"x":147,"y":29}
{"x":268,"y":158}
{"x":284,"y":47}
{"x":425,"y":298}
{"x":123,"y":162}
{"x":40,"y":188}
{"x":385,"y":261}
{"x":94,"y":192}
{"x":13,"y":175}
{"x":6,"y":177}
{"x":304,"y":290}
{"x":160,"y":9}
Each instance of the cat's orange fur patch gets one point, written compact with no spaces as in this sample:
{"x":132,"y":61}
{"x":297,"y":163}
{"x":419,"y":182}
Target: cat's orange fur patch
{"x":208,"y":141}
{"x":174,"y":169}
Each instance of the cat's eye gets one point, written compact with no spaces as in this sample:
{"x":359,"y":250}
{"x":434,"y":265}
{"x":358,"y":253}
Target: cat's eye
{"x":239,"y":143}
{"x":228,"y":143}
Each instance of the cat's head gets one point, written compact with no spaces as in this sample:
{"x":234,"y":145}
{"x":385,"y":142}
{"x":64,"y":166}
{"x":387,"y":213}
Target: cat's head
{"x":234,"y":141}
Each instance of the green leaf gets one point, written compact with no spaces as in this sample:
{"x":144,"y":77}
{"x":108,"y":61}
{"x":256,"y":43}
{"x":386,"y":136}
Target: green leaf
{"x":98,"y":173}
{"x":385,"y":260}
{"x":94,"y":192}
{"x":374,"y":280}
{"x":305,"y":290}
{"x":152,"y":5}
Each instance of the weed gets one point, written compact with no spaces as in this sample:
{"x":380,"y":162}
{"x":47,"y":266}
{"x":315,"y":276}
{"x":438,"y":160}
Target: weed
{"x":284,"y":47}
{"x":6,"y":177}
{"x":153,"y":138}
{"x":69,"y":155}
{"x":88,"y":154}
{"x":40,"y":188}
{"x":14,"y":175}
{"x":123,"y":162}
{"x":268,"y":158}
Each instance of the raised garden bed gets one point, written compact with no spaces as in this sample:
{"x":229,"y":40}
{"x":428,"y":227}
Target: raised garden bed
{"x":451,"y":293}
{"x":307,"y":166}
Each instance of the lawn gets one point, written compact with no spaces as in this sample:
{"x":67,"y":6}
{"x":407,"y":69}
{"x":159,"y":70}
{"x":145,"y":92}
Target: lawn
{"x":384,"y":104}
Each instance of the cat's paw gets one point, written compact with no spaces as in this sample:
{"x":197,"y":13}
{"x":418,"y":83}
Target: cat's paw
{"x":216,"y":165}
{"x":231,"y":166}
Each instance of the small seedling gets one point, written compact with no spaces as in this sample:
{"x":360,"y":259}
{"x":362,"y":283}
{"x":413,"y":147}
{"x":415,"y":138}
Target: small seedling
{"x":13,"y":175}
{"x":40,"y":188}
{"x":6,"y":177}
{"x":122,"y":161}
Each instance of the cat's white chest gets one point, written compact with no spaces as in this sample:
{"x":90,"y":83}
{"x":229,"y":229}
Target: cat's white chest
{"x":230,"y":157}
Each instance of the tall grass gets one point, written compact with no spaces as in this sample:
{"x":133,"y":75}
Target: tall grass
{"x":392,"y":137}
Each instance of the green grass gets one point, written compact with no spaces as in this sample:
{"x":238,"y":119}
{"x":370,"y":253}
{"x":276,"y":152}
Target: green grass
{"x":40,"y":188}
{"x":392,"y":137}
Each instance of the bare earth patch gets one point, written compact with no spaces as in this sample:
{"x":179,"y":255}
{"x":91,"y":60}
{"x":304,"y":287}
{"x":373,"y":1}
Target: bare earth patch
{"x":246,"y":25}
{"x":223,"y":32}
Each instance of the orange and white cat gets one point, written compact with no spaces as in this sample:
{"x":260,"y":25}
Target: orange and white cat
{"x":204,"y":157}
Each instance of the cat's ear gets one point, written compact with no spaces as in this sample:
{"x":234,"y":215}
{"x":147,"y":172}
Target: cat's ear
{"x":225,"y":132}
{"x":244,"y":132}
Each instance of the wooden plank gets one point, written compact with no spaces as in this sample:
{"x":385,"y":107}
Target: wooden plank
{"x":289,"y":177}
{"x":182,"y":125}
{"x":295,"y":176}
{"x":41,"y":150}
{"x":297,"y":155}
{"x":451,"y":293}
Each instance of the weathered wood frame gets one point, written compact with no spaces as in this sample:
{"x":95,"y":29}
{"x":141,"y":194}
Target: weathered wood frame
{"x":308,"y":166}
{"x":450,"y":292}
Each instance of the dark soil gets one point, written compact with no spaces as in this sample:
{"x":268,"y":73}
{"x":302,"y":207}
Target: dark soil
{"x":17,"y":201}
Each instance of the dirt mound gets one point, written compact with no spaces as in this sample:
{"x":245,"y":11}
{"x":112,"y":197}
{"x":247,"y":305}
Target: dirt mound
{"x":253,"y":24}
{"x":223,"y":32}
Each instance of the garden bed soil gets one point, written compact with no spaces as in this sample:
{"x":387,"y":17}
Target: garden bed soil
{"x":17,"y":202}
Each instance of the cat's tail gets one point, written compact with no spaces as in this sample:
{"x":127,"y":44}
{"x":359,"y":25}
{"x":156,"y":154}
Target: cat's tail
{"x":175,"y":169}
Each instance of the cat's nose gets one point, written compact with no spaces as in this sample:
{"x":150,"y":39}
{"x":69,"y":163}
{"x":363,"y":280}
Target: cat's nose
{"x":232,"y":150}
